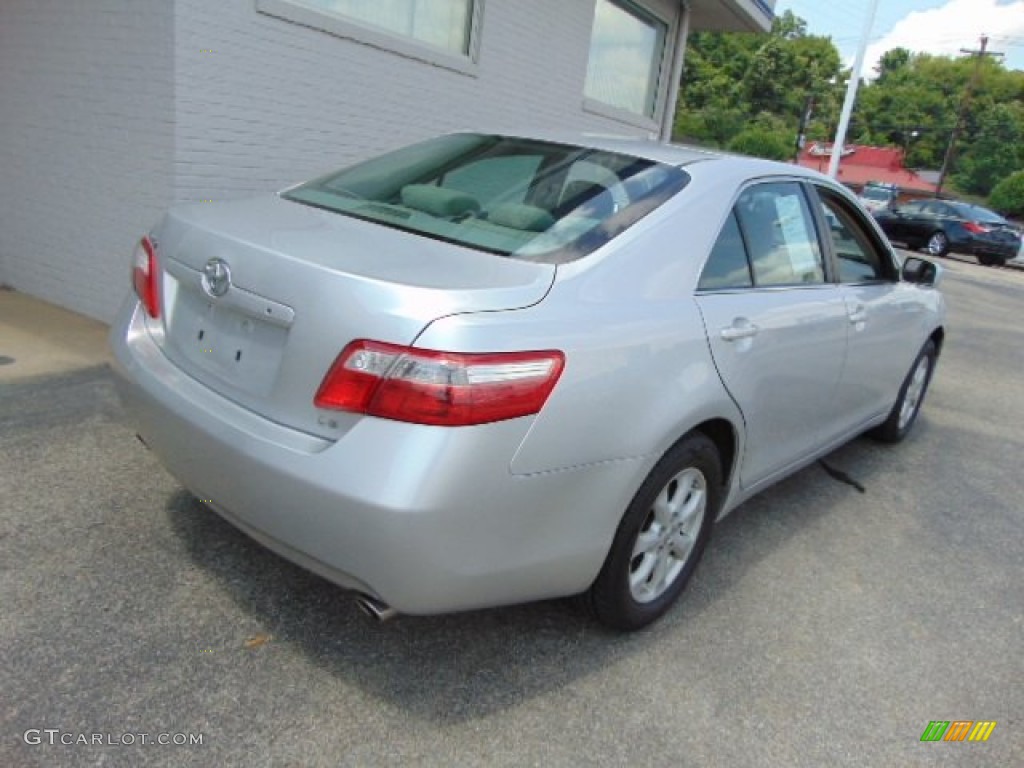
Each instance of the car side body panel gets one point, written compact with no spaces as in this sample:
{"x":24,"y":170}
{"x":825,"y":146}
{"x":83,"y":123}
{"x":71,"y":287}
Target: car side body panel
{"x":784,"y":374}
{"x":893,"y":321}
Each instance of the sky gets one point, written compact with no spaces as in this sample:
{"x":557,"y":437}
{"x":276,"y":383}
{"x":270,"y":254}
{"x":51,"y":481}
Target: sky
{"x":923,"y":26}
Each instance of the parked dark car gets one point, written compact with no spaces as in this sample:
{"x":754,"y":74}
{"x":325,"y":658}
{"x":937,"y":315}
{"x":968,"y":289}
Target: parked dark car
{"x":941,"y":226}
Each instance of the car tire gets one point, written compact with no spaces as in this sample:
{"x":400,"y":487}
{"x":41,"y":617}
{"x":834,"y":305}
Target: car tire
{"x":937,"y":244}
{"x":908,"y":404}
{"x":661,"y":537}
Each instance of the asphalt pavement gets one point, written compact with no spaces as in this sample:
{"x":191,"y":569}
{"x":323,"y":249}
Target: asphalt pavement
{"x":825,"y":626}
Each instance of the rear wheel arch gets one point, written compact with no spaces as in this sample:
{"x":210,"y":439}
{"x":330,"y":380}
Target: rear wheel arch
{"x":938,"y":337}
{"x":661,"y":536}
{"x":720,"y":430}
{"x":723,"y":434}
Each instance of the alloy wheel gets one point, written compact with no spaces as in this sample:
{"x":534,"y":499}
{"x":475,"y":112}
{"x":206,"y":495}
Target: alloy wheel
{"x":937,"y":244}
{"x":915,"y":392}
{"x":668,"y":535}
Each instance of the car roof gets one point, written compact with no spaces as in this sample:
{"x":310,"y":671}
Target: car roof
{"x":960,"y":206}
{"x":963,"y":205}
{"x":679,"y":155}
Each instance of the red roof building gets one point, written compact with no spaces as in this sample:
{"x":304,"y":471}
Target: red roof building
{"x":860,"y":165}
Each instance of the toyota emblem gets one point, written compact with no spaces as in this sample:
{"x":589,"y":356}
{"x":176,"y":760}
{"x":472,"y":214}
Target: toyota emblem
{"x":216,"y":277}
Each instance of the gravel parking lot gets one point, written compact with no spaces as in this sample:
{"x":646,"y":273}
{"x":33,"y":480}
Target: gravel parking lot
{"x":825,"y":627}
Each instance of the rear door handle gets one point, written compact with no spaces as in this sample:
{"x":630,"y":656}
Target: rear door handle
{"x":740,"y":329}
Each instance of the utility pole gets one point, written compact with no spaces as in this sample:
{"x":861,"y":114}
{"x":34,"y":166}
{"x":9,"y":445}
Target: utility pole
{"x":801,"y":132}
{"x":908,"y":136}
{"x":965,"y":103}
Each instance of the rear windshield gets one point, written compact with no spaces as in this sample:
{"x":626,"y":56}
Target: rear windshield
{"x":514,"y":197}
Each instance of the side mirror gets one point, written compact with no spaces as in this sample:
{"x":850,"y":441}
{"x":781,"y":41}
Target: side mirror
{"x":921,"y":272}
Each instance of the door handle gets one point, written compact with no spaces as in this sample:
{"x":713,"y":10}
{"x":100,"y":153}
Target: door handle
{"x":858,"y":314}
{"x":739,"y":330}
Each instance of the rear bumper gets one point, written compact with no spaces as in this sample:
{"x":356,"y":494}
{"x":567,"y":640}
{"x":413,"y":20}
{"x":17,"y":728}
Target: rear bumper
{"x":978,"y":247}
{"x":427,"y":519}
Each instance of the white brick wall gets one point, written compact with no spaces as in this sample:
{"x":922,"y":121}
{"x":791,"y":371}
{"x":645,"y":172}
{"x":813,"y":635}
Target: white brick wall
{"x":276,"y":102}
{"x":86,"y":141}
{"x":112,"y":109}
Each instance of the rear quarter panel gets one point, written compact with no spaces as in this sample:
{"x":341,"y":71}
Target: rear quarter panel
{"x":638,"y":372}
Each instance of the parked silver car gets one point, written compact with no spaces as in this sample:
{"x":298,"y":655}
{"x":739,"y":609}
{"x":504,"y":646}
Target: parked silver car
{"x":486,"y":369}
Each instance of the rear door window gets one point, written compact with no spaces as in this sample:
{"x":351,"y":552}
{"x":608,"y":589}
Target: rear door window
{"x":779,"y":232}
{"x":727,"y":267}
{"x":769,"y":239}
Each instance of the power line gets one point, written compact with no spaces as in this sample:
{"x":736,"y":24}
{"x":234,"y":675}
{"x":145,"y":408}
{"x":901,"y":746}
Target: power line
{"x":965,"y":104}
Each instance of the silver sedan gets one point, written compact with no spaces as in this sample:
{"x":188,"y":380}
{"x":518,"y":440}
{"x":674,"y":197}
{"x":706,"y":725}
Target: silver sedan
{"x":488,"y":369}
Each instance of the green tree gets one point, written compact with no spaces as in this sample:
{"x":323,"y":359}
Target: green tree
{"x":893,"y":64}
{"x":732,"y":78}
{"x":995,"y":149}
{"x":761,"y":142}
{"x":715,"y":125}
{"x":915,"y":100}
{"x":1008,"y":195}
{"x":750,"y":92}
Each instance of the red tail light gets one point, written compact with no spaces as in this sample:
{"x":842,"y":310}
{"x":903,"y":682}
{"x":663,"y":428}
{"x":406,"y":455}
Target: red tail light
{"x":145,"y":273}
{"x":976,"y":229}
{"x":452,"y":389}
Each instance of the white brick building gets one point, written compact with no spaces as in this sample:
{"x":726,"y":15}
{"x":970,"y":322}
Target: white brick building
{"x":112,"y":110}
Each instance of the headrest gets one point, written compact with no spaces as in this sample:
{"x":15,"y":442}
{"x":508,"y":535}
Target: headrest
{"x":438,"y":201}
{"x":519,"y":216}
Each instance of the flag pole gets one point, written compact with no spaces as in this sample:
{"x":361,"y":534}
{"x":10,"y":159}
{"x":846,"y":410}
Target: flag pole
{"x":851,"y":93}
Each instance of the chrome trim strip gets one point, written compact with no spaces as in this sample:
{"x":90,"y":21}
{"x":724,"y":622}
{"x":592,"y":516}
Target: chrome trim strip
{"x":247,"y":302}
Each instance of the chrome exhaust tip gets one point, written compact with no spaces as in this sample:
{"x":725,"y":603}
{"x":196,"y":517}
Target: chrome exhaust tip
{"x":374,"y":608}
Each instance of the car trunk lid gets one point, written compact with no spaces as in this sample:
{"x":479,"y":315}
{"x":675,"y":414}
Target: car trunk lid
{"x":260,"y":296}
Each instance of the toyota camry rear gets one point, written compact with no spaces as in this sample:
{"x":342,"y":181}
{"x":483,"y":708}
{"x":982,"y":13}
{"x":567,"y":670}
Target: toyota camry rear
{"x":486,"y":369}
{"x":299,"y":362}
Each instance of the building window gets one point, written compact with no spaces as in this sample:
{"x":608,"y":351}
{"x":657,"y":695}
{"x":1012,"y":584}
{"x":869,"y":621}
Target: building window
{"x":440,"y":32}
{"x":627,"y":49}
{"x":440,"y":23}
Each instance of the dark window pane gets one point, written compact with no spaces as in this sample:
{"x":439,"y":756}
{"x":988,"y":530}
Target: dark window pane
{"x":727,"y":266}
{"x":858,"y":256}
